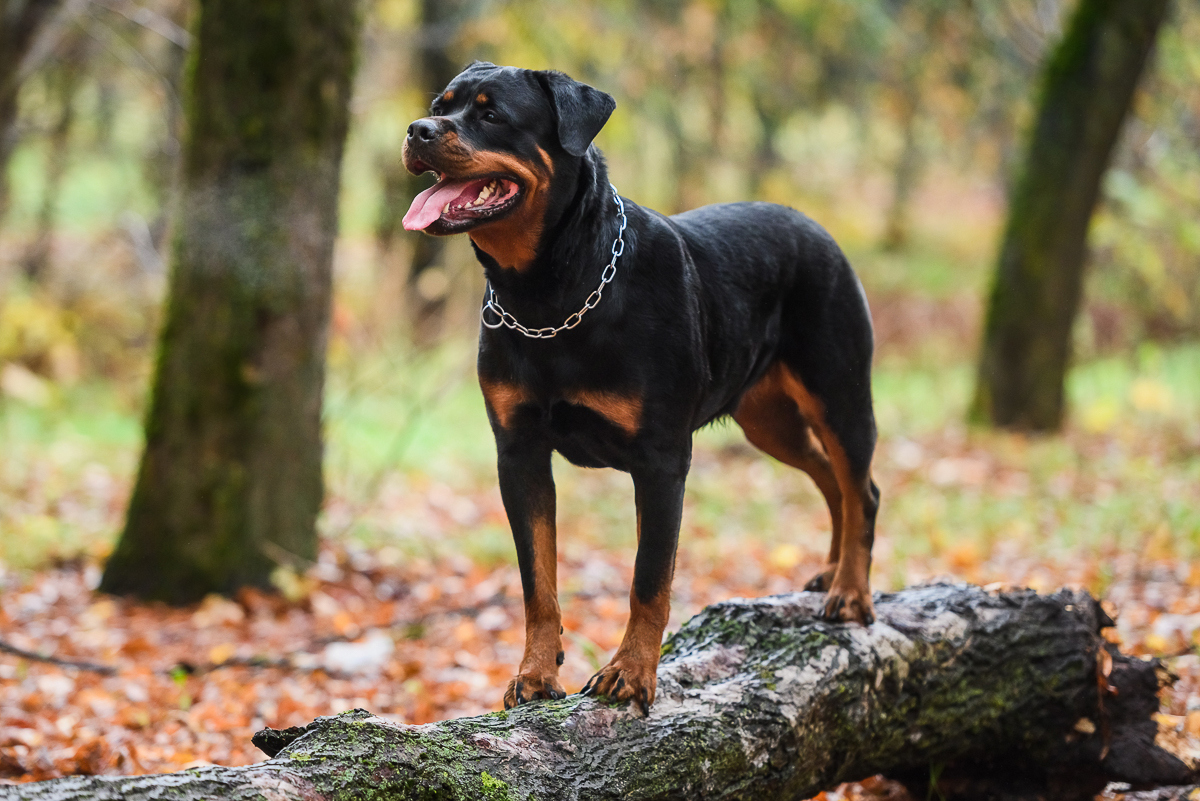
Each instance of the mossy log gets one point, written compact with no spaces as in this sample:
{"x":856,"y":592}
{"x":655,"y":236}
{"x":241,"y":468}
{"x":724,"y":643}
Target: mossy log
{"x":997,"y":695}
{"x":1179,"y":793}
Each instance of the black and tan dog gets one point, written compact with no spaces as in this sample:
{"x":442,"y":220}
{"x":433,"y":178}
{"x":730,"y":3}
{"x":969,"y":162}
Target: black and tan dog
{"x":612,"y":332}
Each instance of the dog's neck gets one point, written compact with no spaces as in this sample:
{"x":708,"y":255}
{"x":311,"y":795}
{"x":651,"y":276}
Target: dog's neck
{"x":575,"y":245}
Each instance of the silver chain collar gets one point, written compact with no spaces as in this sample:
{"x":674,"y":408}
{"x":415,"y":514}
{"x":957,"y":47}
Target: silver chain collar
{"x":492,"y":303}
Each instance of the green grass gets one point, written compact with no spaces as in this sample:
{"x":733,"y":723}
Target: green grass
{"x":402,"y":410}
{"x":1125,"y":476}
{"x":92,"y":419}
{"x":56,"y":475}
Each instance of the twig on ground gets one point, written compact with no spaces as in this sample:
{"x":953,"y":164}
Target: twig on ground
{"x":8,"y":648}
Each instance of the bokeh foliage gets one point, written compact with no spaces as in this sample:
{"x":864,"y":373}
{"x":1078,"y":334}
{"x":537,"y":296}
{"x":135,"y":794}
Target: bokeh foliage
{"x":838,"y":108}
{"x":868,"y":115}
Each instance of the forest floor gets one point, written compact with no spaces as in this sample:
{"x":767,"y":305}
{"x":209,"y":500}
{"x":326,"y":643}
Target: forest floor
{"x":414,"y":608}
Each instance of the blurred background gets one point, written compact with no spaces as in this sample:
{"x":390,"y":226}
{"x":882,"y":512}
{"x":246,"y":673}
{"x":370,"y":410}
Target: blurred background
{"x":896,"y":124}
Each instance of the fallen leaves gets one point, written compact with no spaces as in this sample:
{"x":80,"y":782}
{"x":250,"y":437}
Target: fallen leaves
{"x":427,"y":622}
{"x":414,"y":642}
{"x":1180,"y":735}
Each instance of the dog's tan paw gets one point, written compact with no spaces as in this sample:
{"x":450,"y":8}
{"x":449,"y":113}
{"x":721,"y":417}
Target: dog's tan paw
{"x":849,"y":604}
{"x":527,"y":687}
{"x":822,"y":581}
{"x":626,"y":678}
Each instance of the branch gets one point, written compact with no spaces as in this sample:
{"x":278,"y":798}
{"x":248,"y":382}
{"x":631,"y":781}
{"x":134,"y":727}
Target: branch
{"x":33,"y":656}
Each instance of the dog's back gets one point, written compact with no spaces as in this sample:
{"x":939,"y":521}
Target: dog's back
{"x":774,"y":284}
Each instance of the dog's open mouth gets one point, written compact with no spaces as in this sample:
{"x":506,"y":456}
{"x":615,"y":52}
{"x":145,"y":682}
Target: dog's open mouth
{"x":461,"y":203}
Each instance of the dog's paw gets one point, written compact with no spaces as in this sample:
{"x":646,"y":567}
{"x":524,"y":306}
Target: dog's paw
{"x":846,"y":605}
{"x":822,"y":581}
{"x":626,"y":678}
{"x":526,"y":687}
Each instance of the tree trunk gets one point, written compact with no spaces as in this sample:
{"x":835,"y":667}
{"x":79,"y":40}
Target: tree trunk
{"x":434,"y":66}
{"x":766,"y":155}
{"x":424,"y":296}
{"x":163,"y":168}
{"x":64,"y":83}
{"x":1088,"y":88}
{"x":229,"y":484}
{"x":916,"y":29}
{"x":905,"y":175}
{"x":20,"y":21}
{"x":760,"y":699}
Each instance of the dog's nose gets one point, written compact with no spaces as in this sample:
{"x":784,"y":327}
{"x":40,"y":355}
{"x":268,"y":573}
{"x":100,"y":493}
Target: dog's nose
{"x":424,"y":130}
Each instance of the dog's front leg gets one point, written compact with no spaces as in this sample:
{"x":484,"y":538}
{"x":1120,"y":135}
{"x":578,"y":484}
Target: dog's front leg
{"x":527,"y":487}
{"x":631,"y":675}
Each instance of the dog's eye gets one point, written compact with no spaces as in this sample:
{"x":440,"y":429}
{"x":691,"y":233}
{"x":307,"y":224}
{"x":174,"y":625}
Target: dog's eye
{"x":490,"y":116}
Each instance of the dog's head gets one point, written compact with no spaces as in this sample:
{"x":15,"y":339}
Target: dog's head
{"x":495,"y":138}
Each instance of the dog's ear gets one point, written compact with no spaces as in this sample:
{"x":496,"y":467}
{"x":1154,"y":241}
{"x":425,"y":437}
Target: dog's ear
{"x":579,"y":109}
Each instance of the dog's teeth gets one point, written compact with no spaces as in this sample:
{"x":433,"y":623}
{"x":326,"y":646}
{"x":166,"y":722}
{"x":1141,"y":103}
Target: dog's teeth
{"x":446,"y":209}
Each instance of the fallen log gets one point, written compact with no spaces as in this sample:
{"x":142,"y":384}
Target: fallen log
{"x":1188,"y":793}
{"x":1005,"y":695}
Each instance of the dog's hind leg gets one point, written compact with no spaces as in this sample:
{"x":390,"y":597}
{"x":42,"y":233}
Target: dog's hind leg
{"x":773,"y":423}
{"x":842,"y":420}
{"x":837,"y":403}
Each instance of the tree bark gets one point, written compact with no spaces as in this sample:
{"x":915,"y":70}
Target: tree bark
{"x":163,"y":168}
{"x":905,"y":174}
{"x":916,"y":30}
{"x":1088,"y":87}
{"x":230,"y":483}
{"x":20,"y":21}
{"x":63,"y":83}
{"x":434,"y":66}
{"x":1178,"y":793}
{"x":995,"y":693}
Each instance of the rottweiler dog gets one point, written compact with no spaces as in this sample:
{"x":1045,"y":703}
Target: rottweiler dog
{"x":612,"y":332}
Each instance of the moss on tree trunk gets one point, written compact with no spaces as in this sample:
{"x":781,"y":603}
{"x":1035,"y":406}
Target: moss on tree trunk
{"x":760,"y":699}
{"x":230,"y":480}
{"x":20,"y":22}
{"x":1088,"y":87}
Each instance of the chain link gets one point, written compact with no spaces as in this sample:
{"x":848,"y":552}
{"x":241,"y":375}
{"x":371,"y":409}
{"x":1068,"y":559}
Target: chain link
{"x":505,"y":319}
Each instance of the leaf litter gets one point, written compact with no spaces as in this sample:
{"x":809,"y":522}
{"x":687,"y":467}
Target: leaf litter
{"x":432,"y":630}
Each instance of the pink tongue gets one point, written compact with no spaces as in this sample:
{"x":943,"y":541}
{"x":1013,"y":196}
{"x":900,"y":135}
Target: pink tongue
{"x":427,"y":206}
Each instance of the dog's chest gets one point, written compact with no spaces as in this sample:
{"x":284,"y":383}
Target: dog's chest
{"x":592,"y":417}
{"x":591,"y":427}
